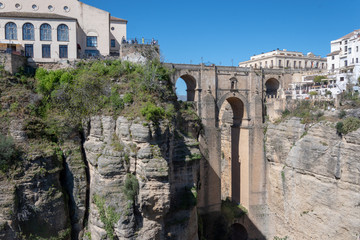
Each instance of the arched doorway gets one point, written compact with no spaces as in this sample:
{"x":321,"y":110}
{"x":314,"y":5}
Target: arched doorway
{"x":238,"y":232}
{"x":230,"y":121}
{"x":272,"y":86}
{"x":185,"y":88}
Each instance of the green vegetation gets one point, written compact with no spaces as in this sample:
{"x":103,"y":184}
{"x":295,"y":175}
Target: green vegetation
{"x":231,"y":210}
{"x":342,"y":114}
{"x":313,"y":93}
{"x":7,"y":152}
{"x":152,"y":113}
{"x":107,"y":215}
{"x":318,"y":79}
{"x":131,"y":187}
{"x":106,"y":87}
{"x":350,"y":124}
{"x":308,"y":112}
{"x":188,"y":197}
{"x":195,"y":156}
{"x":280,"y":238}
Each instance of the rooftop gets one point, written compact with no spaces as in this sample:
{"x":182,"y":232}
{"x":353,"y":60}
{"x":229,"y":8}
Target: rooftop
{"x":34,"y":15}
{"x":117,"y":19}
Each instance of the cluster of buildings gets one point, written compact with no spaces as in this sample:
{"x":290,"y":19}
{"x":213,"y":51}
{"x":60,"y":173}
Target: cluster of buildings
{"x":49,"y":31}
{"x":339,"y":70}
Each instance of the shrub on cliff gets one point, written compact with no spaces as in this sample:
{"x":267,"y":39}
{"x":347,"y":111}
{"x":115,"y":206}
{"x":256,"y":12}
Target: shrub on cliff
{"x":350,"y":124}
{"x":7,"y":152}
{"x":131,"y":187}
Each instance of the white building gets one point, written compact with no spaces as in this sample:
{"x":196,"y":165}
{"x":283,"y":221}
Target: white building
{"x":286,"y":59}
{"x":344,"y":59}
{"x":48,"y":31}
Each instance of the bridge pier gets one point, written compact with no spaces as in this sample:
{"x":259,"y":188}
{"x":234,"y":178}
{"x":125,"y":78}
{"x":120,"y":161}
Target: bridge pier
{"x":235,"y":92}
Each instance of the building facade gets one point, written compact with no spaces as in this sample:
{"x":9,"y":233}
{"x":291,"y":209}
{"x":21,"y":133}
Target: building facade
{"x":344,"y":59}
{"x":286,"y":59}
{"x":49,"y":31}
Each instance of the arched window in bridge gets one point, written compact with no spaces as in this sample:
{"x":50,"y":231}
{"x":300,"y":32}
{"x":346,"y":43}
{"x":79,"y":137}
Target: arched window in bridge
{"x":63,"y":33}
{"x":11,"y":31}
{"x":45,"y":32}
{"x":233,"y":84}
{"x":28,"y":32}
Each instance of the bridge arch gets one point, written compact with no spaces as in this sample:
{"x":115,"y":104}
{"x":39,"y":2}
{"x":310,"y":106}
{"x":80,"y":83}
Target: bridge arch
{"x":234,"y":146}
{"x":190,"y":82}
{"x":238,"y":232}
{"x":272,"y":86}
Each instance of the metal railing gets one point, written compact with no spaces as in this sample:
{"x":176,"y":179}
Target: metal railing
{"x":140,"y":41}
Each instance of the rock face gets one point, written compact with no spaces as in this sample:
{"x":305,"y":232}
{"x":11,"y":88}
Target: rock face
{"x":33,"y":203}
{"x":313,"y":181}
{"x":119,"y":150}
{"x":122,"y":180}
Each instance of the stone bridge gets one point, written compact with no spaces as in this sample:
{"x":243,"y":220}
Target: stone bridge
{"x":230,"y":102}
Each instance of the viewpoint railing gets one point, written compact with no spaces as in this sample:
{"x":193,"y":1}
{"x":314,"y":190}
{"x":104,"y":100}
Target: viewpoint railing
{"x":140,"y":41}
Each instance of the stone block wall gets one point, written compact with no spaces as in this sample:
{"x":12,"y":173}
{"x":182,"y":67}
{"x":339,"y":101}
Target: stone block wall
{"x":11,"y":62}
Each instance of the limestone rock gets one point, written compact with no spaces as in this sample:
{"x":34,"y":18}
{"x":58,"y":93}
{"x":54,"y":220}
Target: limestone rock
{"x":313,"y":181}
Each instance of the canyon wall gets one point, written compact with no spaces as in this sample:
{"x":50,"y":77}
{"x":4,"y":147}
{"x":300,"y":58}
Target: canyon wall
{"x":313,"y":181}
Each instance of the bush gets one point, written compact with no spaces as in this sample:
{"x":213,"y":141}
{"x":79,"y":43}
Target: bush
{"x":318,"y":79}
{"x":131,"y":187}
{"x":128,"y":98}
{"x":350,"y":124}
{"x":342,"y":114}
{"x":152,"y":113}
{"x":7,"y":152}
{"x":313,"y":93}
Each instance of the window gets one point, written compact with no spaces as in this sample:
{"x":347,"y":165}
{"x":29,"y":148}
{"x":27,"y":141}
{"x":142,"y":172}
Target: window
{"x":279,"y":63}
{"x":45,"y":32}
{"x":63,"y":33}
{"x":332,"y":57}
{"x":51,"y":8}
{"x":345,"y":63}
{"x":345,"y":48}
{"x":29,"y":50}
{"x":35,"y":7}
{"x":28,"y":32}
{"x":341,"y":79}
{"x":92,"y":53}
{"x":333,"y":66}
{"x":357,"y":60}
{"x":11,"y":31}
{"x":349,"y":50}
{"x":91,"y":41}
{"x":46,"y":51}
{"x":63,"y":51}
{"x":357,"y":48}
{"x":113,"y":43}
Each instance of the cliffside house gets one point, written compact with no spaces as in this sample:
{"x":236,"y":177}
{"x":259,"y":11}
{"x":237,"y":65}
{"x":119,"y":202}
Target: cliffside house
{"x":49,"y":31}
{"x":344,"y":59}
{"x":286,"y":59}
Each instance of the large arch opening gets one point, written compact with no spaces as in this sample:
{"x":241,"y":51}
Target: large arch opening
{"x":230,"y":117}
{"x":272,"y":86}
{"x":185,"y":88}
{"x":238,"y":232}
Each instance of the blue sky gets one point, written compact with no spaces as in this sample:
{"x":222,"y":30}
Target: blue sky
{"x":229,"y":31}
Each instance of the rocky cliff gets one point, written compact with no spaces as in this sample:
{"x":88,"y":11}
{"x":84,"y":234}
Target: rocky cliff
{"x":313,"y":181}
{"x":107,"y":176}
